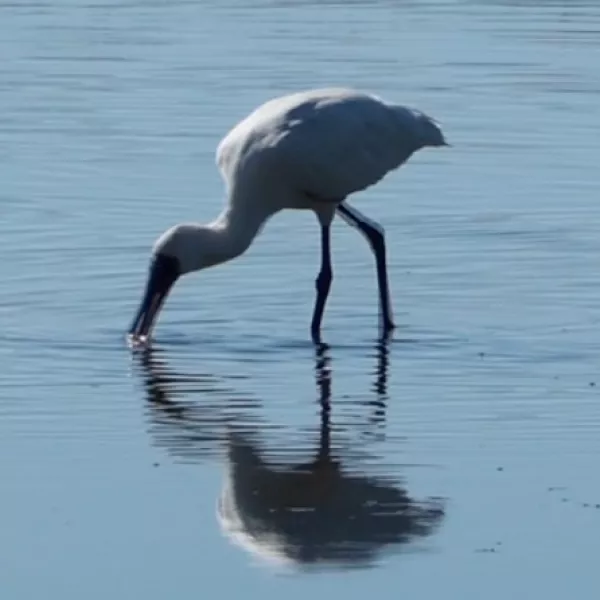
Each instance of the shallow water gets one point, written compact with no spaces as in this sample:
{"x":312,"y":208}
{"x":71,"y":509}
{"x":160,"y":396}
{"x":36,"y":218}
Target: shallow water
{"x":458,"y":460}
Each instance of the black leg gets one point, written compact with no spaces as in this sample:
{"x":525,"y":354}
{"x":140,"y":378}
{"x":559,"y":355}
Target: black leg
{"x":322,"y":283}
{"x":374,"y":234}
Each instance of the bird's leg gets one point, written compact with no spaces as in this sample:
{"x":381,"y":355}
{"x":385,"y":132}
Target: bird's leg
{"x":322,"y":283}
{"x":375,"y":236}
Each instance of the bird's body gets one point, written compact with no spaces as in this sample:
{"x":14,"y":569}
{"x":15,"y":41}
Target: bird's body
{"x":330,"y":143}
{"x":307,"y":151}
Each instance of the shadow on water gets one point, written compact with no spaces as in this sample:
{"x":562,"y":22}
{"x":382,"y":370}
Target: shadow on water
{"x":319,"y":513}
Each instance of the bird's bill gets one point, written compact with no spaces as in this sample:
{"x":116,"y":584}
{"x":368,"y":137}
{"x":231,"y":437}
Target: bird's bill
{"x":163,"y":273}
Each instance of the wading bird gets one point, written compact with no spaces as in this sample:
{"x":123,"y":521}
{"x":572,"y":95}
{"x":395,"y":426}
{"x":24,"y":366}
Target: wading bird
{"x":309,"y":150}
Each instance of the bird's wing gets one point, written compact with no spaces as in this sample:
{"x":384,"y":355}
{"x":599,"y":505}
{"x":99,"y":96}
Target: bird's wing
{"x":329,"y":144}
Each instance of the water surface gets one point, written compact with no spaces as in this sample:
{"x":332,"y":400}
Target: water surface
{"x":458,"y":460}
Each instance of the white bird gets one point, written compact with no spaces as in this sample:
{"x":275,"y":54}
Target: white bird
{"x":309,"y":150}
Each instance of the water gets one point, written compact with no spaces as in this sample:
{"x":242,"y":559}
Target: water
{"x":460,"y":460}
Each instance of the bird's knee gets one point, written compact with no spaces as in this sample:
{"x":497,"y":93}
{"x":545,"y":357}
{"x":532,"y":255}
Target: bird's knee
{"x":376,"y":236}
{"x":323,"y":280}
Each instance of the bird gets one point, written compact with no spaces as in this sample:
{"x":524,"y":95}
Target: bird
{"x":306,"y":150}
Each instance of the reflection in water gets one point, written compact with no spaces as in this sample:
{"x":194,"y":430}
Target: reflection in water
{"x":192,"y":428}
{"x":316,"y":513}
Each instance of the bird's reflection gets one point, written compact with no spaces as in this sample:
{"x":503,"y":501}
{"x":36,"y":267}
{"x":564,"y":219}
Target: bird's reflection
{"x":192,"y":415}
{"x":315,"y":513}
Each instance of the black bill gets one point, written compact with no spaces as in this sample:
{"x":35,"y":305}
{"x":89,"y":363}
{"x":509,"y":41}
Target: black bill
{"x":163,"y":273}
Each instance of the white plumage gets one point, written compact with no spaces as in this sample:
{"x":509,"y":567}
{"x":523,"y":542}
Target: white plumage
{"x":329,"y":142}
{"x":308,"y":150}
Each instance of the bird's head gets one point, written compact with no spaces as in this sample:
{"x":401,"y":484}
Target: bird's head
{"x":182,"y":249}
{"x":176,"y":252}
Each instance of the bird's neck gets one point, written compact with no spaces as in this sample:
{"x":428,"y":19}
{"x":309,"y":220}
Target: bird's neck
{"x":232,"y":232}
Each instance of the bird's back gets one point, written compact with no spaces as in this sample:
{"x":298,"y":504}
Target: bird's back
{"x":329,"y":143}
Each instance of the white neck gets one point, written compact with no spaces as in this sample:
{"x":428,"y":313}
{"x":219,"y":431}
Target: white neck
{"x":228,"y":236}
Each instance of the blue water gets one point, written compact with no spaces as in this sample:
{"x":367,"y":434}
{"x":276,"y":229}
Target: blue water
{"x":459,"y":461}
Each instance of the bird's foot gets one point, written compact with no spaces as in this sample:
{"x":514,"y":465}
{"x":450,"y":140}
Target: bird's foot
{"x":137,"y":342}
